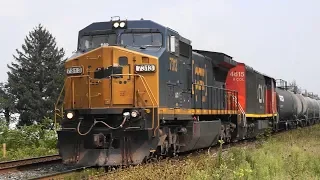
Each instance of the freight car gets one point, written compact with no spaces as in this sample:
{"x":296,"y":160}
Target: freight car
{"x":136,"y":89}
{"x":294,"y":108}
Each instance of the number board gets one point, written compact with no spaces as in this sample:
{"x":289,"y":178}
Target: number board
{"x":74,"y":70}
{"x":237,"y":76}
{"x":145,"y":68}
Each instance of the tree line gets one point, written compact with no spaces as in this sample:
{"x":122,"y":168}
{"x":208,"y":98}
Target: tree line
{"x":35,"y":79}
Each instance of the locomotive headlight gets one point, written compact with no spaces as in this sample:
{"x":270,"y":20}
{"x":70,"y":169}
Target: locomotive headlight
{"x":122,"y":24}
{"x":116,"y":25}
{"x":134,"y":113}
{"x":69,"y":115}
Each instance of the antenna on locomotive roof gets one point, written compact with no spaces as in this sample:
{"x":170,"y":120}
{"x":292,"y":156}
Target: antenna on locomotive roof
{"x":141,"y":19}
{"x":114,"y":17}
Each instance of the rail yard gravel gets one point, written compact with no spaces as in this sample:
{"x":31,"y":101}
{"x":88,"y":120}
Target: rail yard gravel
{"x":36,"y":172}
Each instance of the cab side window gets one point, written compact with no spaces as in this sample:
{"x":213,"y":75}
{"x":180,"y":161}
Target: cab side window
{"x":172,"y":44}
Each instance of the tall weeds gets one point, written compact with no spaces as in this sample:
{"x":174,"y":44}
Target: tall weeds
{"x":291,"y":155}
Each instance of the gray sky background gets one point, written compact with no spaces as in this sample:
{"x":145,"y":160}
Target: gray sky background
{"x":278,"y":38}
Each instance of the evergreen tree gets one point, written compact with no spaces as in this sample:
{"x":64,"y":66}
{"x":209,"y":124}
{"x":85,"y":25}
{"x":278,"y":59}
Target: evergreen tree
{"x":36,"y":78}
{"x":6,"y":103}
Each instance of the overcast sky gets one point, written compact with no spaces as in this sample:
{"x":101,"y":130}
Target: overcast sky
{"x":279,"y":38}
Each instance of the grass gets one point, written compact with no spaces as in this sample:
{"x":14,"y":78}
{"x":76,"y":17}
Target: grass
{"x":27,"y":141}
{"x":290,"y":155}
{"x":27,"y":152}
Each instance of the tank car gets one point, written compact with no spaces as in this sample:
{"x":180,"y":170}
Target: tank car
{"x":303,"y":114}
{"x":313,"y":110}
{"x":318,"y":110}
{"x":295,"y":109}
{"x":289,"y":108}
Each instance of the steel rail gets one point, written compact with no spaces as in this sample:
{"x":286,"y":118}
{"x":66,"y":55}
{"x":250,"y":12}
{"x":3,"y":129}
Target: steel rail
{"x":16,"y":165}
{"x":59,"y":175}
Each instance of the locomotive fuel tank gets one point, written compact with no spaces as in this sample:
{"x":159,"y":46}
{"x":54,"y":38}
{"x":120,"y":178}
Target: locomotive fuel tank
{"x":287,"y":104}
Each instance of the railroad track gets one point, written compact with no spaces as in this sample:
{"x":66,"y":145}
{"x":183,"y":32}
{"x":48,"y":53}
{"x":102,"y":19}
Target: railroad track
{"x":22,"y":164}
{"x":59,"y":175}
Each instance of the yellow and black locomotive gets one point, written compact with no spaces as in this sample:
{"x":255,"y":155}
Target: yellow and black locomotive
{"x":135,"y":89}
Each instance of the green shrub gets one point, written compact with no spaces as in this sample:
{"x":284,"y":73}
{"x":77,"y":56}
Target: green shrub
{"x":27,"y":141}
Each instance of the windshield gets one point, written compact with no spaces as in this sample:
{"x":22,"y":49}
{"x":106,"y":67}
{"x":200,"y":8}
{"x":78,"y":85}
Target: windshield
{"x":141,"y":39}
{"x":92,"y":42}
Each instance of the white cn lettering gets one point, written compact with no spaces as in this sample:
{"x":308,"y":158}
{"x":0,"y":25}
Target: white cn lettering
{"x":281,"y":98}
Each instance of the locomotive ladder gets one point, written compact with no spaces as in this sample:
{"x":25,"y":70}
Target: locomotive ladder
{"x":243,"y":114}
{"x":155,"y":119}
{"x":58,"y":111}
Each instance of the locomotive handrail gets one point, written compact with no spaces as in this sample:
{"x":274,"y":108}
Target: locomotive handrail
{"x":59,"y":97}
{"x":56,"y":105}
{"x":153,"y":101}
{"x":239,"y":105}
{"x":243,"y":113}
{"x":232,"y":107}
{"x":230,"y":90}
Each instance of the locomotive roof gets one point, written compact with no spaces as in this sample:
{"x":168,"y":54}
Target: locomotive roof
{"x":213,"y":52}
{"x":249,"y":68}
{"x":107,"y":25}
{"x":224,"y":59}
{"x":131,"y":24}
{"x":218,"y":57}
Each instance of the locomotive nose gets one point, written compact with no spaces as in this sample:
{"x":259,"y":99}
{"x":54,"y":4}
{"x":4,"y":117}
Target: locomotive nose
{"x":111,"y":107}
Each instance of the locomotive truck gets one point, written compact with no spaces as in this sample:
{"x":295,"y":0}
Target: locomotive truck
{"x":136,"y":89}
